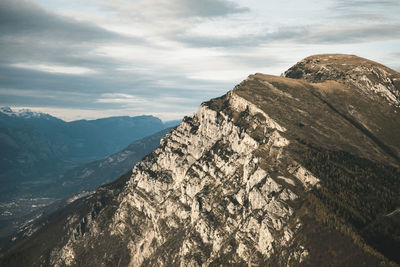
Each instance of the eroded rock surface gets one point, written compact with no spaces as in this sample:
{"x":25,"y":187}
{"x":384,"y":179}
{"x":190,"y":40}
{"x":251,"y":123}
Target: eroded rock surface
{"x":205,"y":191}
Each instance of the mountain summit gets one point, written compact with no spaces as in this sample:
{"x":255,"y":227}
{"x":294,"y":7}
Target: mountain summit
{"x":370,"y":78}
{"x":301,"y":170}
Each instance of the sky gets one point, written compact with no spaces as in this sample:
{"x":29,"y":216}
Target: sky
{"x":86,"y":59}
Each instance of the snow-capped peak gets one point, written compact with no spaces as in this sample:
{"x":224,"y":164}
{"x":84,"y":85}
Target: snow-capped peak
{"x":6,"y":110}
{"x":21,"y":113}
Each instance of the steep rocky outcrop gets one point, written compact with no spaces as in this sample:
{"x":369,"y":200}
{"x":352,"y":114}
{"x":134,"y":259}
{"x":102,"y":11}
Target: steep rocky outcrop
{"x":277,"y":172}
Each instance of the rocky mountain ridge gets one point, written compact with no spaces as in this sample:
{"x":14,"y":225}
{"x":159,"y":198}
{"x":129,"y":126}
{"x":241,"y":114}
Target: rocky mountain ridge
{"x":277,"y":172}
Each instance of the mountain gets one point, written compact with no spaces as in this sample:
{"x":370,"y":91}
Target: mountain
{"x":298,"y":170}
{"x":24,"y":150}
{"x":8,"y":113}
{"x":36,"y":147}
{"x":25,"y":132}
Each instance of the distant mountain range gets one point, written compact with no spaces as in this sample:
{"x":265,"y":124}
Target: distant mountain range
{"x":43,"y":158}
{"x":34,"y":146}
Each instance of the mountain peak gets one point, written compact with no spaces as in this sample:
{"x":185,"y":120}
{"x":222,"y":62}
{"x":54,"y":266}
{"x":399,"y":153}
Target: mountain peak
{"x":23,"y":113}
{"x":368,"y":77}
{"x":6,"y":110}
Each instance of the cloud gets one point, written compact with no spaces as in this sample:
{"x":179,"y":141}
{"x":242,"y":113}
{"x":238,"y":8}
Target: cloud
{"x":55,"y":68}
{"x":359,"y":11}
{"x":336,"y":21}
{"x":344,"y":5}
{"x":206,"y":8}
{"x":352,"y":34}
{"x":26,"y":19}
{"x":243,"y":39}
{"x":314,"y":34}
{"x":161,"y":21}
{"x":118,"y":91}
{"x":156,"y":9}
{"x":33,"y":37}
{"x":120,"y":99}
{"x":155,"y":56}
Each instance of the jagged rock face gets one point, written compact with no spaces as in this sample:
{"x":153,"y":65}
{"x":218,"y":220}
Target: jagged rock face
{"x":206,"y":192}
{"x":228,"y":186}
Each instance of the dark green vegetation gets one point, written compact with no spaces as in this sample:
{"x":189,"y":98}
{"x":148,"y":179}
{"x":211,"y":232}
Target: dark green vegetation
{"x":356,"y":197}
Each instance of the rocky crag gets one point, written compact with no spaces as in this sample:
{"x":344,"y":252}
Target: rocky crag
{"x":296,"y":170}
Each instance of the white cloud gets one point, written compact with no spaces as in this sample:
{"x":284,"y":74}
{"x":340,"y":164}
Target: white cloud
{"x":75,"y":70}
{"x":121,"y":99}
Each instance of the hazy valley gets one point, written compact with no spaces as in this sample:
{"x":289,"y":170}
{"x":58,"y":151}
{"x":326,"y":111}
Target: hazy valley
{"x":45,"y":161}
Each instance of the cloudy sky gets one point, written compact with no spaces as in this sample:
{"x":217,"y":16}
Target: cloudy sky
{"x":97,"y":58}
